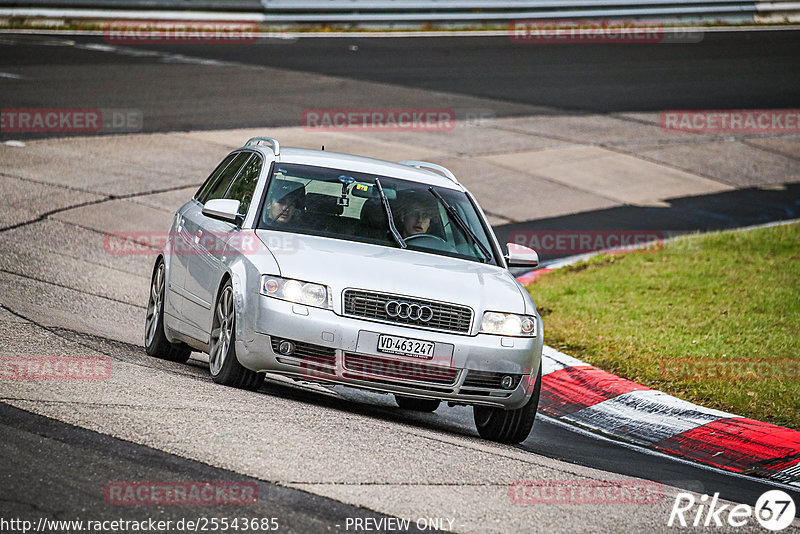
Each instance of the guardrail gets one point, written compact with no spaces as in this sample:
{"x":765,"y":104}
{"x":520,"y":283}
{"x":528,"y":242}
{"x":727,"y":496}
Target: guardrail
{"x":193,"y":5}
{"x":447,"y":11}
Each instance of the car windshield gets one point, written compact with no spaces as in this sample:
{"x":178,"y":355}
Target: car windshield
{"x":347,"y":205}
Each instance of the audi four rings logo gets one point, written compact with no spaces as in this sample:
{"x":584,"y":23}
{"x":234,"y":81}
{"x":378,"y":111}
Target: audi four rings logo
{"x":404,"y":310}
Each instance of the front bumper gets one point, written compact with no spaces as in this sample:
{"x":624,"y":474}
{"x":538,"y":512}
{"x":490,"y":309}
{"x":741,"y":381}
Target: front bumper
{"x":343,"y":350}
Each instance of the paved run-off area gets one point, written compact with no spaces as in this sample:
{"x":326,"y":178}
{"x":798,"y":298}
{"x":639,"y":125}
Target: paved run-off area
{"x":57,"y":281}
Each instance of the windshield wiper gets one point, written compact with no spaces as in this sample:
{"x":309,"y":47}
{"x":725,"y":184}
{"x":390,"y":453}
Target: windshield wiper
{"x":451,"y":211}
{"x":388,"y":210}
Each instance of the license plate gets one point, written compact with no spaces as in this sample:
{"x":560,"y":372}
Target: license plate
{"x":416,"y":348}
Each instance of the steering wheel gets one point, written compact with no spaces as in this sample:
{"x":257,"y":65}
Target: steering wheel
{"x":436,"y":242}
{"x":436,"y":237}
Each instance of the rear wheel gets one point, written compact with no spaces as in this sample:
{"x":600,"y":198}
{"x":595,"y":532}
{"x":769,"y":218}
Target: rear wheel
{"x":508,"y":426}
{"x":225,"y":367}
{"x":418,"y":405}
{"x":155,"y":341}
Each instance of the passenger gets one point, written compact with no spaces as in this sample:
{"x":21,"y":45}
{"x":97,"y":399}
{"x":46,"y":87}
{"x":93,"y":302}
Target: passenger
{"x":285,"y":200}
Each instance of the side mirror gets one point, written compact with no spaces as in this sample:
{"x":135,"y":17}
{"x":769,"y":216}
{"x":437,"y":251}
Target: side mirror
{"x":520,"y":256}
{"x":223,"y":209}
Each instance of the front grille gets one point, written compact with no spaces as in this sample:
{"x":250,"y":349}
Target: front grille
{"x":371,"y":305}
{"x":400,"y":369}
{"x":487,"y":379}
{"x":308,"y":352}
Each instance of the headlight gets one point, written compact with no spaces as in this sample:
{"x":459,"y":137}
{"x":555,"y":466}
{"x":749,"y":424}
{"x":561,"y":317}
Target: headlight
{"x":508,"y":324}
{"x":306,"y":293}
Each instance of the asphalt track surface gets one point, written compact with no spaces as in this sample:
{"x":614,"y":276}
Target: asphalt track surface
{"x":704,"y":213}
{"x":79,"y":463}
{"x":66,"y":467}
{"x":175,"y":90}
{"x":726,"y":70}
{"x":723,"y":71}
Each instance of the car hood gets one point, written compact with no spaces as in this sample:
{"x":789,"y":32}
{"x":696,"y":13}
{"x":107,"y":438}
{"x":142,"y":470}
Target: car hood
{"x":344,"y":264}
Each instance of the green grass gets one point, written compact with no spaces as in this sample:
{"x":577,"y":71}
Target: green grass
{"x":707,"y":298}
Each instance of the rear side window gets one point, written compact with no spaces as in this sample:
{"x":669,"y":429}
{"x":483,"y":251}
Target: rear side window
{"x":221,"y":185}
{"x":244,"y":186}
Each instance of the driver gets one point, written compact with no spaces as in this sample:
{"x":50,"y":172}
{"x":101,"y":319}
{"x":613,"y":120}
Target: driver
{"x":415,"y":214}
{"x":284,"y":200}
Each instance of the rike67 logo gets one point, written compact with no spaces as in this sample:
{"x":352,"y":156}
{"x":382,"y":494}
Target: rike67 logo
{"x":774,"y":511}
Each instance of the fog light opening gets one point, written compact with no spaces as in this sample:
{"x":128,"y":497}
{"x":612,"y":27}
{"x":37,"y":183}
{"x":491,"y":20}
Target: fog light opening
{"x":507,"y":382}
{"x":286,"y":348}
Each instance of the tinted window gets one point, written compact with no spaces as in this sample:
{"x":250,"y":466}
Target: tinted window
{"x":245,"y":184}
{"x":209,"y":183}
{"x":343,"y":204}
{"x":218,"y":189}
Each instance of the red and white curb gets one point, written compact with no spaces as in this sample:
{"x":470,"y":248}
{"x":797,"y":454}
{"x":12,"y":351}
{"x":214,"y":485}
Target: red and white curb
{"x":582,"y":395}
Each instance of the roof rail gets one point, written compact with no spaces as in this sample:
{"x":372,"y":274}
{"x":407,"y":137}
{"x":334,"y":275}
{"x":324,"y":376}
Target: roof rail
{"x":431,"y":167}
{"x":273,"y":143}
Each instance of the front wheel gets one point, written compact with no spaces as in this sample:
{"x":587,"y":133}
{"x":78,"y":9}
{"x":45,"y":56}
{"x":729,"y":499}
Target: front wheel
{"x":225,"y":367}
{"x":508,"y":426}
{"x":155,"y":341}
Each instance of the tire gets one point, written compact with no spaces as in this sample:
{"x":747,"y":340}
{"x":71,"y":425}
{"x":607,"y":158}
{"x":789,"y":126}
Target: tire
{"x":417,"y":405}
{"x":223,"y":363}
{"x":155,"y":341}
{"x":508,"y":426}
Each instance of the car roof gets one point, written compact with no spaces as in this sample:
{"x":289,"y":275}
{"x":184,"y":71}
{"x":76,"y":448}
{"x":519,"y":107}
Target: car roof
{"x":337,"y":160}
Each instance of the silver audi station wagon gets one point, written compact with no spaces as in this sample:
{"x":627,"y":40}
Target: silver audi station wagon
{"x":349,"y":271}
